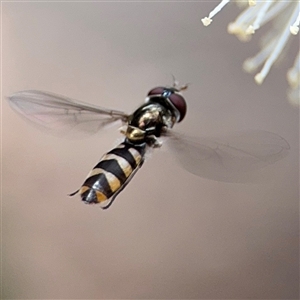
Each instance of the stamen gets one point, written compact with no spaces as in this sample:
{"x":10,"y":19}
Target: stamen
{"x":207,"y":20}
{"x":281,"y":42}
{"x":295,"y":27}
{"x":252,"y":63}
{"x":285,"y":18}
{"x":261,"y":14}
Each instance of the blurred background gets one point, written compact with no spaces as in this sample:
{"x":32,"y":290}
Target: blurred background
{"x":169,"y":234}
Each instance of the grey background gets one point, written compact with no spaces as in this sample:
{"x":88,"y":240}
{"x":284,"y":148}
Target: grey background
{"x":169,"y":234}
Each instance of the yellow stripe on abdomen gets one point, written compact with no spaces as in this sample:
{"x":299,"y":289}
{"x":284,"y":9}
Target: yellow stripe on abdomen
{"x":122,"y":162}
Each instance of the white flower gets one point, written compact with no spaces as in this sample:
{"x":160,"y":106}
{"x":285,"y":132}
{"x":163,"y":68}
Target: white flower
{"x":285,"y":17}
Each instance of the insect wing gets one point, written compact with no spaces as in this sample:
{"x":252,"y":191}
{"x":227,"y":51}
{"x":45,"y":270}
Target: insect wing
{"x":230,"y":159}
{"x":62,"y":114}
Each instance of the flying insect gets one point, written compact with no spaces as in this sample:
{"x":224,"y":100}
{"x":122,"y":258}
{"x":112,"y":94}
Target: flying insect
{"x":146,"y":128}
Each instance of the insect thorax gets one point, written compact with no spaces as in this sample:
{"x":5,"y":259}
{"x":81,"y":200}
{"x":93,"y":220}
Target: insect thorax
{"x":147,"y":123}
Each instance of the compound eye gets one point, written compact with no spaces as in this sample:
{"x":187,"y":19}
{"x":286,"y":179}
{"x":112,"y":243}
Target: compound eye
{"x":156,"y":91}
{"x":179,"y":102}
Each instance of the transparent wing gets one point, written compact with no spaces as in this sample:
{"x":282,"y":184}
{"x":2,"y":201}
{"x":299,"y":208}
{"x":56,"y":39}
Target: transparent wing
{"x":62,"y":114}
{"x":231,"y":158}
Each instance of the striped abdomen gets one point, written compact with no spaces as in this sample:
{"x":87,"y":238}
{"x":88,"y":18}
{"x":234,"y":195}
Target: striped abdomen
{"x":112,"y":174}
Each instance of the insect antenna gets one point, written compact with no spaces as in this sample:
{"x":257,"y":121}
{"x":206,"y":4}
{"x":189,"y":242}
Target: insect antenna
{"x":176,"y":85}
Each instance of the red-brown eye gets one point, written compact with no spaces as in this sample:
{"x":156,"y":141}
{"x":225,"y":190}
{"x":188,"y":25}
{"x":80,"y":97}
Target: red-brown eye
{"x":156,"y":91}
{"x":179,"y":102}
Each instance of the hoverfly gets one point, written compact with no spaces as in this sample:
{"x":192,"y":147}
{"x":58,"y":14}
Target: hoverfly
{"x":144,"y":129}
